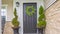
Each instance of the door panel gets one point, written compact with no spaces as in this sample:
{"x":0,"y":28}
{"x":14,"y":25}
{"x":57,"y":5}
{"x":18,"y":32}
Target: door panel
{"x":29,"y":22}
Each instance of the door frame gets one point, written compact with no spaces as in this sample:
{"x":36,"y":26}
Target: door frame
{"x":26,"y":4}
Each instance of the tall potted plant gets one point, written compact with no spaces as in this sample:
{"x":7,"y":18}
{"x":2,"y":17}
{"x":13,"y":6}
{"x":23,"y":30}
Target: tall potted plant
{"x":15,"y":22}
{"x":41,"y":19}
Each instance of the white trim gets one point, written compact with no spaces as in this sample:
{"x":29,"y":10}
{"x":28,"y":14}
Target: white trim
{"x":0,"y":17}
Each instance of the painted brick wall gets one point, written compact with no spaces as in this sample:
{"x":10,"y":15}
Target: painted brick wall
{"x":53,"y":19}
{"x":47,"y":3}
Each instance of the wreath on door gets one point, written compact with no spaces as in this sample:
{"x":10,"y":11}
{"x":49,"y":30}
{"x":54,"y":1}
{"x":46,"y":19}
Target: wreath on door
{"x":30,"y":10}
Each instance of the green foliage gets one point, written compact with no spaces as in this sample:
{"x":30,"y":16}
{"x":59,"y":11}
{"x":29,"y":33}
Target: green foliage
{"x":41,"y":24}
{"x":15,"y":21}
{"x":28,"y":12}
{"x":41,"y":17}
{"x":41,"y":10}
{"x":41,"y":20}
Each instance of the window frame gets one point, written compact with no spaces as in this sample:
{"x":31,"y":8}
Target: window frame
{"x":4,"y":5}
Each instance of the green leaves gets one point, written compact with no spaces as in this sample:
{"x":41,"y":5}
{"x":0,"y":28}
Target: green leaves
{"x":15,"y":12}
{"x":15,"y":20}
{"x":41,"y":20}
{"x":41,"y":10}
{"x":41,"y":17}
{"x":41,"y":24}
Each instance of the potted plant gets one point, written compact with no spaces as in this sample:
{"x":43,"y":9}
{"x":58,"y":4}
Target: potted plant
{"x":41,"y":19}
{"x":15,"y":22}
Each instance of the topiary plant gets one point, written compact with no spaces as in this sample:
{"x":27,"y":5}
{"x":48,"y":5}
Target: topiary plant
{"x":15,"y":21}
{"x":41,"y":20}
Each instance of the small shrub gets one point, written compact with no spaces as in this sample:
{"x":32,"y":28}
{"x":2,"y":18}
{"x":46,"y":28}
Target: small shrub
{"x":15,"y":21}
{"x":41,"y":20}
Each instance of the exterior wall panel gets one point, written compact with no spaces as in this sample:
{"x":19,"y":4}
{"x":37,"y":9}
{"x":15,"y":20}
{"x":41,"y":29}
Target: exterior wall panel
{"x":53,"y":19}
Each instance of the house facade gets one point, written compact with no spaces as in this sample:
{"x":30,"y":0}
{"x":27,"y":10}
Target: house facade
{"x":47,"y":4}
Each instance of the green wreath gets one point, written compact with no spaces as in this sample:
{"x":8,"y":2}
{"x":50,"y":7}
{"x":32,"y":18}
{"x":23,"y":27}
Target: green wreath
{"x":28,"y":12}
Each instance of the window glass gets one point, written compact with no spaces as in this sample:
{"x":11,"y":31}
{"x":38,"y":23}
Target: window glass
{"x":4,"y":11}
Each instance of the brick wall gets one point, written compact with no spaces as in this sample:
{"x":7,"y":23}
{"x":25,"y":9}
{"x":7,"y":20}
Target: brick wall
{"x":48,"y":3}
{"x":53,"y":19}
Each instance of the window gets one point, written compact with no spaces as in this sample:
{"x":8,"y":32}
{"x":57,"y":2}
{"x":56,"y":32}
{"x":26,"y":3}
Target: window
{"x":4,"y":11}
{"x":3,"y":16}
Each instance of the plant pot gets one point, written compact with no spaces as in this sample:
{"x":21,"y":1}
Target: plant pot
{"x":15,"y":27}
{"x":41,"y":29}
{"x":16,"y":30}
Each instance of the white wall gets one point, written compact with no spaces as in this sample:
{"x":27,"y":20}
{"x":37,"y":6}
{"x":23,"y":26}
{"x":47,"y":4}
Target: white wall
{"x":0,"y":18}
{"x":20,"y":10}
{"x":9,"y":4}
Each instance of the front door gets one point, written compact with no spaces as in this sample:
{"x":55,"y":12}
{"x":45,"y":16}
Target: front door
{"x":30,"y":18}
